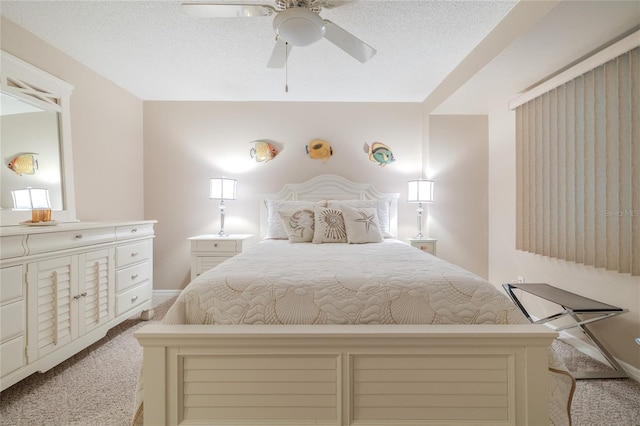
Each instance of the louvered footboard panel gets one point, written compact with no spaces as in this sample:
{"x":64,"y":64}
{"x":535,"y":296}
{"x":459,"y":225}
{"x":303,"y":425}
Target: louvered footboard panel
{"x":300,"y":389}
{"x":453,"y":387}
{"x":366,"y":375}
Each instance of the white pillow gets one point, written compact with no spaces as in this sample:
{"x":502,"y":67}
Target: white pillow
{"x":383,"y":206}
{"x":362,"y":225}
{"x":275,"y":229}
{"x":299,"y":225}
{"x":329,"y":225}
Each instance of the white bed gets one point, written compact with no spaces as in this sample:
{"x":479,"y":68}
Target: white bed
{"x":347,"y":334}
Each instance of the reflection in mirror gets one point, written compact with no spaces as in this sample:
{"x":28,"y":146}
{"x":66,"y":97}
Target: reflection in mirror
{"x":35,"y":139}
{"x":30,"y":150}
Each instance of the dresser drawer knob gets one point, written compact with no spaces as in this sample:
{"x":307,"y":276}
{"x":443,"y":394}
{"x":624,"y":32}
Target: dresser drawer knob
{"x":134,"y":276}
{"x":134,"y":230}
{"x":134,"y":298}
{"x":134,"y":254}
{"x":78,"y":236}
{"x":215,"y":244}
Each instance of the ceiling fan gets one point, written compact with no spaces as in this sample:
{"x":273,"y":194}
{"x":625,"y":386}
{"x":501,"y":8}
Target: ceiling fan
{"x":296,"y":23}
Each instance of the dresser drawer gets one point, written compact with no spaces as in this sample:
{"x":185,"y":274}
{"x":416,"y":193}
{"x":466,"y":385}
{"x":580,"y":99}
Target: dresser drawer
{"x":11,"y":355}
{"x":126,"y":232}
{"x":132,"y":253}
{"x":11,"y":320}
{"x":136,"y":296}
{"x":52,"y":241}
{"x":11,"y":282}
{"x":222,"y":246}
{"x":129,"y":277}
{"x":11,"y":246}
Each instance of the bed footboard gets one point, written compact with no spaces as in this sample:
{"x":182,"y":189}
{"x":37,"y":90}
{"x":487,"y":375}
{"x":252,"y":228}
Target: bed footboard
{"x":346,"y":374}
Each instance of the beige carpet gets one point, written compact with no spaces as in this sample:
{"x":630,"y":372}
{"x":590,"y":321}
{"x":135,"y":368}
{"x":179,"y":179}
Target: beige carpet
{"x":96,"y":388}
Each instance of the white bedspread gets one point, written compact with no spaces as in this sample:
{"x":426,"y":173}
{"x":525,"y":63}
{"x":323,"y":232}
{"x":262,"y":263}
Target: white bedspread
{"x":277,"y":282}
{"x":381,"y":283}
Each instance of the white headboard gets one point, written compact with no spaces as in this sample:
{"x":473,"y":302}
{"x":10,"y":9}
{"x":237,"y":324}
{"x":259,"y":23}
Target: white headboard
{"x":331,"y":187}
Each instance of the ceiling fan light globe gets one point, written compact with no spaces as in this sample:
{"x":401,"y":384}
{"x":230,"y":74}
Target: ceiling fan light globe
{"x":299,"y":27}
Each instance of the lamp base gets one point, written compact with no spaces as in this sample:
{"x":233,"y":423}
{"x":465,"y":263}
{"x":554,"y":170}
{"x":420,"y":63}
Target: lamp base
{"x":419,"y":236}
{"x":222,"y":234}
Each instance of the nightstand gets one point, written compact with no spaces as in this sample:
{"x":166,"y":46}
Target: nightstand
{"x":425,"y":244}
{"x":210,"y":250}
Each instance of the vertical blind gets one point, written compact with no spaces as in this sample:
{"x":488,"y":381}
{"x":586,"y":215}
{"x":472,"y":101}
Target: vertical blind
{"x":578,"y":168}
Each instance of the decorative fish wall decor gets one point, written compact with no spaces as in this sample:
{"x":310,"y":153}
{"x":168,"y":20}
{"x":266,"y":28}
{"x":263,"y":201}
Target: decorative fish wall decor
{"x":24,"y":164}
{"x":319,"y":150}
{"x":263,"y":150}
{"x":379,"y":153}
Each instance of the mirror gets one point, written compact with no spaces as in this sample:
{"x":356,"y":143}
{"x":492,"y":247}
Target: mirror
{"x":35,"y":141}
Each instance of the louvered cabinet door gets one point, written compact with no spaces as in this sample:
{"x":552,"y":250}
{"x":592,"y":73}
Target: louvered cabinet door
{"x":52,"y":285}
{"x":96,"y":293}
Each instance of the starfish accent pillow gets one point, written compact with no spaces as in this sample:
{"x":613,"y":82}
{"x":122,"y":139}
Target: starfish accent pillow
{"x":361,"y":225}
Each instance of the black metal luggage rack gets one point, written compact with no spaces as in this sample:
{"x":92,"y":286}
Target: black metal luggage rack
{"x":574,"y":305}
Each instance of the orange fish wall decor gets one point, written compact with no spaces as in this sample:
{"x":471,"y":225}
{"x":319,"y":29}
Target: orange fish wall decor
{"x":263,"y":150}
{"x":24,"y":164}
{"x":319,"y":149}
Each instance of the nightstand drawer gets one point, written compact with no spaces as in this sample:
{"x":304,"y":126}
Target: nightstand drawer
{"x":427,"y":245}
{"x":132,"y":253}
{"x":222,"y":246}
{"x":131,"y":298}
{"x":128,"y":277}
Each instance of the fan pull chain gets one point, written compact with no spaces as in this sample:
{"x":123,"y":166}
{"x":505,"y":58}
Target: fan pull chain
{"x":286,"y":67}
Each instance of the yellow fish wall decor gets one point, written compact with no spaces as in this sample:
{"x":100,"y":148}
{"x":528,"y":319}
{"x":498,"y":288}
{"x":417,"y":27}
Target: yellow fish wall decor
{"x":24,"y":164}
{"x":263,"y":150}
{"x":319,"y":150}
{"x":379,"y":153}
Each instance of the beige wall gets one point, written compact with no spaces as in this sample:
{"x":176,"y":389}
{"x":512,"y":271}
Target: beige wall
{"x":186,"y":143}
{"x":458,"y":219}
{"x":106,"y":131}
{"x":458,"y":159}
{"x":506,"y":263}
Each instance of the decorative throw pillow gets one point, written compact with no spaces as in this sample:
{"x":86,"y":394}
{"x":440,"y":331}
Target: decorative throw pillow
{"x":382,"y":206}
{"x":275,"y":229}
{"x":329,"y":225}
{"x":299,"y":225}
{"x":362,"y":225}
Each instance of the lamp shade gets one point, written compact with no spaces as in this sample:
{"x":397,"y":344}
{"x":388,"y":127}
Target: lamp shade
{"x":420,"y":191}
{"x":30,"y":198}
{"x":222,"y":189}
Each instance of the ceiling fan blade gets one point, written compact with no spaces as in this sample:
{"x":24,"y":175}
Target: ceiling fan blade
{"x":226,"y":10}
{"x":331,"y":4}
{"x":278,"y":55}
{"x":348,"y":42}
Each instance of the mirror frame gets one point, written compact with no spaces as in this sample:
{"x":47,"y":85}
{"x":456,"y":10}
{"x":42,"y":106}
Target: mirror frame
{"x":37,"y":87}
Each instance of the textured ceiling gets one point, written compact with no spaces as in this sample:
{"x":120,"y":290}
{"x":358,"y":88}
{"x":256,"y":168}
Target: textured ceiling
{"x":156,"y":52}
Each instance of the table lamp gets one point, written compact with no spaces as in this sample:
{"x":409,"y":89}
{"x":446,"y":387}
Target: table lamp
{"x":420,"y":191}
{"x":222,"y":189}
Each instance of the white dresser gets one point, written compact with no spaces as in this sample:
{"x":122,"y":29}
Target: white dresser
{"x":63,"y":287}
